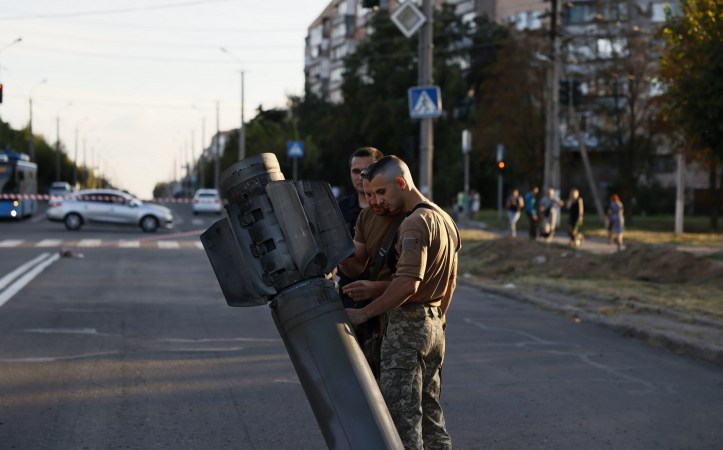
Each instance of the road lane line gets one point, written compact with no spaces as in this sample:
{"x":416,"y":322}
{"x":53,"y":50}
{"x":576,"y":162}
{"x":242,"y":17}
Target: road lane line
{"x":4,"y":281}
{"x":42,"y":359}
{"x":199,"y":245}
{"x":129,"y":244}
{"x":14,"y":288}
{"x":11,"y":242}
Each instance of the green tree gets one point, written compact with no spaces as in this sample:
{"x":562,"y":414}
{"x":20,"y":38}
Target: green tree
{"x":511,"y":110}
{"x":692,"y":66}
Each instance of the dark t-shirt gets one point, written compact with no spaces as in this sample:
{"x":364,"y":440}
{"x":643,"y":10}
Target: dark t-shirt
{"x":350,"y":210}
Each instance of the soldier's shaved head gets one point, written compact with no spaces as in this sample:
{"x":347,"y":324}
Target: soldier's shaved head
{"x":390,"y":167}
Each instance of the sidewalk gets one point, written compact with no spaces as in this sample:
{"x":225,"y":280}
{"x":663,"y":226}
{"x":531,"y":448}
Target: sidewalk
{"x":695,"y":335}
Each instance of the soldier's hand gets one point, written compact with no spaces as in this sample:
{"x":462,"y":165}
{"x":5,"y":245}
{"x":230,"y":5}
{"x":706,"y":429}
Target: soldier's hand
{"x":360,"y":290}
{"x":356,"y":316}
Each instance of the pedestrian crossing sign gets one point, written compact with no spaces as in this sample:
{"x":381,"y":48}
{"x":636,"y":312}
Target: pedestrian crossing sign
{"x":295,"y":149}
{"x":425,"y":102}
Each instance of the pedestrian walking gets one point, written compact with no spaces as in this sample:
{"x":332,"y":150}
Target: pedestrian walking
{"x":531,"y":210}
{"x":616,"y":221}
{"x":416,"y":302}
{"x":550,"y":212}
{"x":514,"y":204}
{"x":576,"y":211}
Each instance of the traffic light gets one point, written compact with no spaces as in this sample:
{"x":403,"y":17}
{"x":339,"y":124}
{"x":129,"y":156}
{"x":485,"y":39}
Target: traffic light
{"x":501,"y":167}
{"x":1,"y":92}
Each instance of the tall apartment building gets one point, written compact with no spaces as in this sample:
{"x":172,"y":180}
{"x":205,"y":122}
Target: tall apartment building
{"x":337,"y":31}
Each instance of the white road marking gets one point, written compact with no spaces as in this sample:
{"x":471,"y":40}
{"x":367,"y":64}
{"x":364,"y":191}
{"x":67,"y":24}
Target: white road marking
{"x":129,"y":244}
{"x":11,"y":242}
{"x":199,"y":245}
{"x":200,"y":341}
{"x":168,"y":245}
{"x":49,"y":243}
{"x":89,"y":243}
{"x":14,"y":288}
{"x":4,"y":281}
{"x":84,"y":331}
{"x":55,"y":358}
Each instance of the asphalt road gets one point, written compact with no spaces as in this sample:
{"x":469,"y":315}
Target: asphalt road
{"x":134,"y":347}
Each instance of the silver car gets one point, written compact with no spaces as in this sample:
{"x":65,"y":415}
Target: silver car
{"x":107,"y":206}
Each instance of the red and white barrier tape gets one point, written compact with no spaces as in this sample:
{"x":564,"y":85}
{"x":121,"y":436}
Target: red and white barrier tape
{"x":87,"y":197}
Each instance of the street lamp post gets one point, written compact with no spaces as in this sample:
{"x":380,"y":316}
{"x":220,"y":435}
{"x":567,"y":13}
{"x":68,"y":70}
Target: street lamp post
{"x":242,"y":130}
{"x":57,"y":142}
{"x":8,"y":45}
{"x":31,"y":145}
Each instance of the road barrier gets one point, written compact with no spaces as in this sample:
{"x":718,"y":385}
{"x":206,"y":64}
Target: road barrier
{"x":87,"y":197}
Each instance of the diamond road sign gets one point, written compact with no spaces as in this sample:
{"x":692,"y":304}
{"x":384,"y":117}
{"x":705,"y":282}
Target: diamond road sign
{"x":425,"y":102}
{"x":295,"y":149}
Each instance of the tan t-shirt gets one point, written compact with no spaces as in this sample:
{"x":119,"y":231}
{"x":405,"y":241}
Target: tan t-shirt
{"x":372,"y":231}
{"x":427,"y":249}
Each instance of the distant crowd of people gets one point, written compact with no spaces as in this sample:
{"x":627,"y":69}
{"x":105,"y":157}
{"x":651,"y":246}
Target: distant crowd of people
{"x":543,"y":215}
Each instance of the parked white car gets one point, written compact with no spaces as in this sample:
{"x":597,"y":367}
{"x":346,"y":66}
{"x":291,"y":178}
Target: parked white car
{"x":108,"y":206}
{"x":207,"y":201}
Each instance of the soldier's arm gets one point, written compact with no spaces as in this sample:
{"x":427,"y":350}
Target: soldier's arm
{"x":365,"y":289}
{"x":398,"y":291}
{"x":355,"y":264}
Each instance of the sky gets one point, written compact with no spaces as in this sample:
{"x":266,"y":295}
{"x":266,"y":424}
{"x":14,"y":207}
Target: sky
{"x":139,"y":79}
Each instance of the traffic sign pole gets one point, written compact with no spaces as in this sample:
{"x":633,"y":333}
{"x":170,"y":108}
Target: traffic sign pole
{"x":426,"y":128}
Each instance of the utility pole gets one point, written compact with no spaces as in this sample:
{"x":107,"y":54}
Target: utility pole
{"x":75,"y":161}
{"x":216,"y":169}
{"x":552,"y":136}
{"x":426,"y":129}
{"x":679,"y":194}
{"x":242,"y":130}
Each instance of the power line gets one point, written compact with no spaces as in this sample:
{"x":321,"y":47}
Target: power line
{"x":145,"y":43}
{"x":111,"y":11}
{"x":157,"y":59}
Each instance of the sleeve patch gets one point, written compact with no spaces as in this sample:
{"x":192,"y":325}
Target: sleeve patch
{"x":410,"y":243}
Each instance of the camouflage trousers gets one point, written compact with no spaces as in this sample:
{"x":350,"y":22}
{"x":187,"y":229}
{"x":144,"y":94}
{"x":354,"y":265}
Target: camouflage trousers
{"x":410,"y":380}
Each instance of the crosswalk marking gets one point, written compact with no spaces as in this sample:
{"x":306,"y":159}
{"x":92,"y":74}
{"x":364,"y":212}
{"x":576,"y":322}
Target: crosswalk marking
{"x":164,"y":244}
{"x":86,"y":243}
{"x":49,"y":243}
{"x":11,"y":242}
{"x":168,"y":245}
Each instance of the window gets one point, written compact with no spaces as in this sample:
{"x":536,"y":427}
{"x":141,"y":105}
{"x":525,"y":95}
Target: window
{"x":336,"y":75}
{"x":578,"y":13}
{"x":658,"y":12}
{"x":339,"y":31}
{"x":339,"y":51}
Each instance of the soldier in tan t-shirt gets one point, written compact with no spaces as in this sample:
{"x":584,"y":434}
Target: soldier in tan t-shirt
{"x":415,"y":302}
